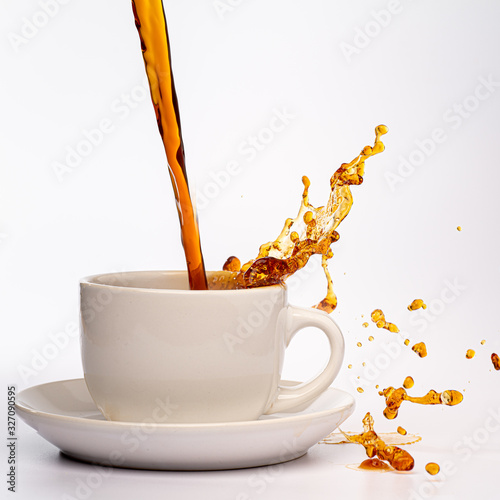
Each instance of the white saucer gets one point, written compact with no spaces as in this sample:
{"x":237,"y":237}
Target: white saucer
{"x":65,"y":415}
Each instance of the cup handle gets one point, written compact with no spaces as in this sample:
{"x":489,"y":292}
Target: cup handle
{"x":291,"y":398}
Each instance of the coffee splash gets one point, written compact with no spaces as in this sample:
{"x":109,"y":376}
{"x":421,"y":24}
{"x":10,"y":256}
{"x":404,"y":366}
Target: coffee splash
{"x":311,"y":232}
{"x":398,"y":458}
{"x":152,"y":28}
{"x":395,"y":397}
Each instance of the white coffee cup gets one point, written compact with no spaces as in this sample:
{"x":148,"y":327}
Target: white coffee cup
{"x":155,"y":351}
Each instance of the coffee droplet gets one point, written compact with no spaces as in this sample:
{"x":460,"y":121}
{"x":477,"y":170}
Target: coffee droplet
{"x":483,"y":342}
{"x":432,"y":468}
{"x":359,"y":344}
{"x":308,"y":217}
{"x":420,"y":349}
{"x":407,"y":342}
{"x":365,"y":324}
{"x":381,"y":130}
{"x":417,"y":304}
{"x":360,"y":390}
{"x":408,"y":383}
{"x":459,"y":228}
{"x":451,"y":398}
{"x":349,"y":366}
{"x":232,"y":264}
{"x":378,"y":318}
{"x":370,"y":338}
{"x":496,"y":361}
{"x":470,"y":353}
{"x":402,"y":431}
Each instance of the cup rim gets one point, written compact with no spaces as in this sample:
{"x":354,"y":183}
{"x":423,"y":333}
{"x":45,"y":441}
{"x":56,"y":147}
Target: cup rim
{"x":91,"y":281}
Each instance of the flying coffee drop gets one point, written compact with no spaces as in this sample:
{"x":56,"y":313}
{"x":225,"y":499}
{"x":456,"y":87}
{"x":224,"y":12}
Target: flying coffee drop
{"x":408,"y":383}
{"x":378,"y":318}
{"x":432,"y":468}
{"x":496,"y":361}
{"x":420,"y":349}
{"x":470,"y":353}
{"x":417,"y":304}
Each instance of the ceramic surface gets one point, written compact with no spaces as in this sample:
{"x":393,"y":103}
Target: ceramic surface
{"x":65,"y":415}
{"x":155,"y":351}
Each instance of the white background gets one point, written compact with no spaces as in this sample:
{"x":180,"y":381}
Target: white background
{"x":340,"y":68}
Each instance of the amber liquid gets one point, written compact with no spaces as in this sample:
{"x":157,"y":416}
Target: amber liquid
{"x":395,"y":397}
{"x":378,"y":318}
{"x":152,"y":27}
{"x":311,"y":232}
{"x":400,"y":459}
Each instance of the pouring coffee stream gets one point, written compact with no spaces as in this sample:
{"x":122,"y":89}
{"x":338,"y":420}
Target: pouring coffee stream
{"x":312,"y":232}
{"x":152,"y":27}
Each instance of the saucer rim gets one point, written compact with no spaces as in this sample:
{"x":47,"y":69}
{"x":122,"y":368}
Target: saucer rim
{"x":279,"y":419}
